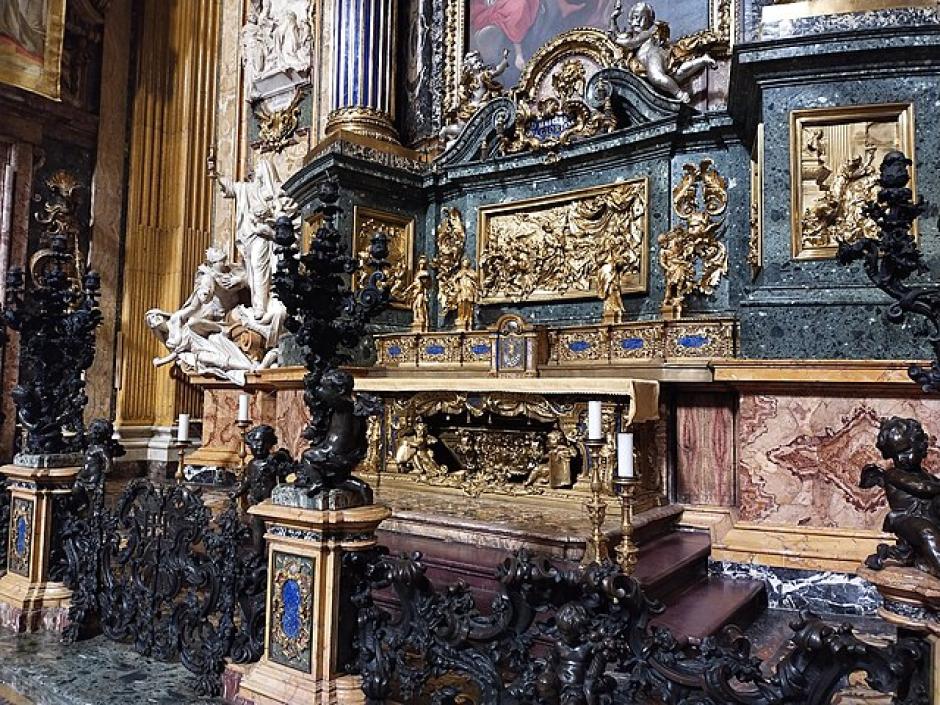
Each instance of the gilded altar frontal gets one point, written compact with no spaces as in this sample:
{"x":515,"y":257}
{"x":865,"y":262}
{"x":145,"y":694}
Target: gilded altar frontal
{"x":470,"y":352}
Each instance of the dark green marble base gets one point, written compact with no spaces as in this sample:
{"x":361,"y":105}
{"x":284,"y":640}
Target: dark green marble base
{"x":94,"y":672}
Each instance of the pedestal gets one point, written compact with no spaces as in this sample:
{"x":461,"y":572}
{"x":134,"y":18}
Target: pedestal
{"x":29,"y":600}
{"x":912,"y":604}
{"x":310,"y":618}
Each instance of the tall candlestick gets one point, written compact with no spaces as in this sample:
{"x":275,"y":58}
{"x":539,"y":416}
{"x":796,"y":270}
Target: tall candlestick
{"x":243,"y":407}
{"x":595,"y":431}
{"x":625,"y":456}
{"x":182,"y":432}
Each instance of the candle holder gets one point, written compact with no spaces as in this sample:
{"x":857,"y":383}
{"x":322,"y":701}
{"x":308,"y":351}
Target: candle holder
{"x":627,"y":551}
{"x":596,"y":549}
{"x":243,"y":425}
{"x":181,"y":447}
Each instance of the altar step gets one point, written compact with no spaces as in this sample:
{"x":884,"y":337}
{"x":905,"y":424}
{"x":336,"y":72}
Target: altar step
{"x":673,"y":568}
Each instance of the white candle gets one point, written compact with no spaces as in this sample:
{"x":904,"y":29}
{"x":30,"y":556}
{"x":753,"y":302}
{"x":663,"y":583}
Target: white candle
{"x":625,"y":456}
{"x":182,"y":432}
{"x":595,"y":432}
{"x":243,"y":407}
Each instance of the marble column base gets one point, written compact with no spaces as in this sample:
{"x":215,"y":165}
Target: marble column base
{"x":308,"y":611}
{"x":29,"y":600}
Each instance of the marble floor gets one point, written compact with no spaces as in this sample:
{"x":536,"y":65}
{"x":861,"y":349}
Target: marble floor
{"x":40,"y":670}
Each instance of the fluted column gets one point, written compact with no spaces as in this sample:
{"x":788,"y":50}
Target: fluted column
{"x":365,"y":66}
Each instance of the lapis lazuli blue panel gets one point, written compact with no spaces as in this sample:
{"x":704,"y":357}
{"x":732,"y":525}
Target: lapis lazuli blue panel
{"x":394,"y":351}
{"x":579,"y":346}
{"x":694,"y":341}
{"x":21,"y":535}
{"x":632,"y":343}
{"x":480,"y":349}
{"x":291,"y":619}
{"x":434,"y":349}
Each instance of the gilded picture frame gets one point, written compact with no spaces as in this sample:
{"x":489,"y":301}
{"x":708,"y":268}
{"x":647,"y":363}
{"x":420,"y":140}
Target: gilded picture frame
{"x":457,"y":39}
{"x":835,"y":154}
{"x":400,"y":231}
{"x":528,"y":231}
{"x":31,"y":46}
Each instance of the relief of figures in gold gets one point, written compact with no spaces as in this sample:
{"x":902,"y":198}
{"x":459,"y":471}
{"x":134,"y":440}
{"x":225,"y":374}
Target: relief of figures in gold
{"x":399,"y":232}
{"x":834,"y":158}
{"x":692,"y":257}
{"x":553,"y":248}
{"x":487,"y":448}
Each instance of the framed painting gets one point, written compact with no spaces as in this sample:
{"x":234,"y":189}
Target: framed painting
{"x":31,"y":33}
{"x":520,"y":27}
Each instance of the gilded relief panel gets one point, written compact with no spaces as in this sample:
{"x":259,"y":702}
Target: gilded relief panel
{"x":400,"y":234}
{"x":834,"y":158}
{"x":549,"y":249}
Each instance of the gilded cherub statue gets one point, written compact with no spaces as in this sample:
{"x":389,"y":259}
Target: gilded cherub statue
{"x":555,"y":471}
{"x":913,"y":496}
{"x":478,"y":86}
{"x":665,"y":64}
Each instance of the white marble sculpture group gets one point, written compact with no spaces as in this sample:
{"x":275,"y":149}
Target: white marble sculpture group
{"x":276,"y":50}
{"x":232,"y":300}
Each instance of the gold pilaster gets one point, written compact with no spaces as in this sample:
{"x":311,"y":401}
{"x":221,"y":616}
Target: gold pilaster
{"x":170,"y":196}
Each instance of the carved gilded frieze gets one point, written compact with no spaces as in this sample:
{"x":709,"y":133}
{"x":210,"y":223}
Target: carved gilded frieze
{"x":478,"y":349}
{"x":692,"y":338}
{"x":580,"y":345}
{"x":692,"y":258}
{"x":637,"y":342}
{"x":399,"y":231}
{"x":397,"y":350}
{"x":441,"y":348}
{"x":551,"y":248}
{"x":834,"y":158}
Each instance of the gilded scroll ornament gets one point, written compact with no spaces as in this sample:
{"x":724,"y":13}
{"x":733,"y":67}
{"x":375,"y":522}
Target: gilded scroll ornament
{"x":59,"y":217}
{"x":692,"y":257}
{"x":650,"y":54}
{"x":451,"y":239}
{"x":834,"y":157}
{"x":276,"y":128}
{"x":399,"y":232}
{"x":549,"y":122}
{"x":553,"y":248}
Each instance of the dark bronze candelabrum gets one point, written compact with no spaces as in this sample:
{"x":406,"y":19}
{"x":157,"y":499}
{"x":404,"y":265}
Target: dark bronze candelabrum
{"x":327,"y":319}
{"x":56,"y":318}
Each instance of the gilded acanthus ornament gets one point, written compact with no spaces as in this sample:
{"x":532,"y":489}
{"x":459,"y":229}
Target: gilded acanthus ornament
{"x":60,"y":218}
{"x":277,"y":127}
{"x":651,"y":55}
{"x":549,"y":122}
{"x":479,"y":84}
{"x":692,"y":258}
{"x":451,"y":239}
{"x":553,"y":248}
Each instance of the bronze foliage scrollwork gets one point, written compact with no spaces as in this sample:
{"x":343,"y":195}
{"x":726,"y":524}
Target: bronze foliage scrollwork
{"x":159,"y":571}
{"x":596,"y":624}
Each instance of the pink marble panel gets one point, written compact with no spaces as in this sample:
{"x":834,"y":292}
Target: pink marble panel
{"x":799,"y":456}
{"x":292,"y":418}
{"x":705,"y":448}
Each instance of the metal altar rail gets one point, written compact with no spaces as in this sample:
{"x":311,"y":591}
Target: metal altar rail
{"x":158,"y":571}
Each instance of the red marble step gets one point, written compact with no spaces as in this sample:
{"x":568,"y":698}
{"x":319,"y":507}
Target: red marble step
{"x":707,"y":606}
{"x":673,"y":562}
